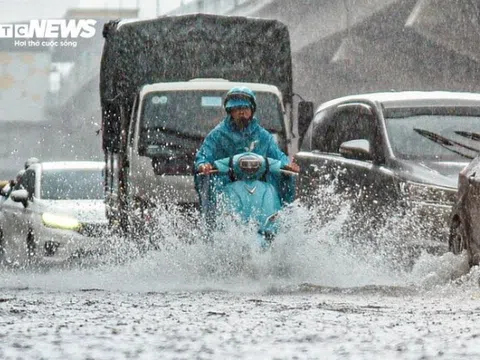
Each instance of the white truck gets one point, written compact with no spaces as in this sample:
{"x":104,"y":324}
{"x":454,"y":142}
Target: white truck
{"x":162,"y":84}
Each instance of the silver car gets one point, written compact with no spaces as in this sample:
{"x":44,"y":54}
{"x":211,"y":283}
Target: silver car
{"x":390,"y":153}
{"x":55,"y":212}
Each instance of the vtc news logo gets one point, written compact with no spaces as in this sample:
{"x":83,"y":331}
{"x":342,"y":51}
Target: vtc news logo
{"x":52,"y":28}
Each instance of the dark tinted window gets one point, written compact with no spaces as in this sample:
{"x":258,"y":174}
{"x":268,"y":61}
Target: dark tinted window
{"x":70,"y":184}
{"x":340,"y":127}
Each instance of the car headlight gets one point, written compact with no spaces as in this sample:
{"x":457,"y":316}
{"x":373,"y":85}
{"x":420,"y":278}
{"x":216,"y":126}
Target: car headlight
{"x":426,"y":193}
{"x":63,"y":222}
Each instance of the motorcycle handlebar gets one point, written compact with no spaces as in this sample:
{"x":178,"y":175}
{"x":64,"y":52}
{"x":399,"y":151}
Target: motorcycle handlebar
{"x":289,"y":172}
{"x":214,"y":171}
{"x":286,"y":172}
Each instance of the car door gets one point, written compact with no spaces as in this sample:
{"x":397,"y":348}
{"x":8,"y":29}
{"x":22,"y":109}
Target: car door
{"x":9,"y":218}
{"x":362,"y":179}
{"x":15,"y":223}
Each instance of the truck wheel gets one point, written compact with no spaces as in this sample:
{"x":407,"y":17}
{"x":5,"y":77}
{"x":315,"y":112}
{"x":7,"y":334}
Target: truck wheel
{"x":125,"y":224}
{"x":124,"y":197}
{"x":31,"y":246}
{"x":126,"y":213}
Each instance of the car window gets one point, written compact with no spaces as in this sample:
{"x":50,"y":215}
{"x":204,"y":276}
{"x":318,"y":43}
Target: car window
{"x":404,"y":131}
{"x":72,"y":184}
{"x":340,"y":127}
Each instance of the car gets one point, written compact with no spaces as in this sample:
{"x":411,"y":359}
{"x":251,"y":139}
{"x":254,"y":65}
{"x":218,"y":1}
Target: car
{"x":56,"y":211}
{"x":464,"y":225}
{"x":389,"y":153}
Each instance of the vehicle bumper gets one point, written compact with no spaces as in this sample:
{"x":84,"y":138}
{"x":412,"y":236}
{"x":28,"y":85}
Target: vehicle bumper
{"x":60,"y":245}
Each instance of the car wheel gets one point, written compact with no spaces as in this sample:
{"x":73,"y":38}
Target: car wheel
{"x":31,"y":246}
{"x":458,"y":239}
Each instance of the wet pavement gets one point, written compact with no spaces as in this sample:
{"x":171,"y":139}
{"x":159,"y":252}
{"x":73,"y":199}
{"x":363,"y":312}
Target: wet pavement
{"x":305,"y":298}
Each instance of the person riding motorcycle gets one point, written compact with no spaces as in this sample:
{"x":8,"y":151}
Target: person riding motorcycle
{"x":238,"y":132}
{"x":30,"y":161}
{"x":12,"y":185}
{"x":16,"y":183}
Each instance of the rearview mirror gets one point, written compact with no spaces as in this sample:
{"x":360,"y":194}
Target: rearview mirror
{"x":20,"y":196}
{"x":305,"y":116}
{"x":356,"y":149}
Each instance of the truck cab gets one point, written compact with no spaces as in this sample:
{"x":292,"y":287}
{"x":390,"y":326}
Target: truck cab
{"x":169,"y":123}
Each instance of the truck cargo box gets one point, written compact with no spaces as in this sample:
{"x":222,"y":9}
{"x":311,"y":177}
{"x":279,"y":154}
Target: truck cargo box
{"x":180,"y":48}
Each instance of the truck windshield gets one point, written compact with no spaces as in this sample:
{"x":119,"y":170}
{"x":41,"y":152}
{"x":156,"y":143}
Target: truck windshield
{"x":195,"y":113}
{"x":433,"y":133}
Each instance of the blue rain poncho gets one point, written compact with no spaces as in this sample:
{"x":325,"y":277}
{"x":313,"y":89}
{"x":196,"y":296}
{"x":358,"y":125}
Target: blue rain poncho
{"x":227,"y":140}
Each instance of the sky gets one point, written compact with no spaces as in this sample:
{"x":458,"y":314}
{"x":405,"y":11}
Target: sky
{"x":21,"y":10}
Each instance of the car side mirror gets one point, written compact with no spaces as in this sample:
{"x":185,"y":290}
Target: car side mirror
{"x":305,"y":116}
{"x":356,"y":149}
{"x":20,"y":196}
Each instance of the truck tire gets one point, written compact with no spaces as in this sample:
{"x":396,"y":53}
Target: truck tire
{"x":31,"y":245}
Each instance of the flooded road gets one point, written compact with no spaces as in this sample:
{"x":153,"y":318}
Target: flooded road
{"x":306,"y":298}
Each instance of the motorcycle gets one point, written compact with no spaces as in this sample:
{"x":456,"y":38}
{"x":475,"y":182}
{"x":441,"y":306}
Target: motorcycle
{"x":248,"y":195}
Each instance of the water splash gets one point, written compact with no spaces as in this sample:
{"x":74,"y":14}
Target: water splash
{"x":315,"y":246}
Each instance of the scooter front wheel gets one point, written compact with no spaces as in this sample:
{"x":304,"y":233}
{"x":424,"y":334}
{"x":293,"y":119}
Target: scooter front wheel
{"x":265,"y":239}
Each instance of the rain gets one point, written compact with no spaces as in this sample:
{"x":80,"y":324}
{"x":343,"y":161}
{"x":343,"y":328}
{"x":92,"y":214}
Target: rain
{"x":157,"y":282}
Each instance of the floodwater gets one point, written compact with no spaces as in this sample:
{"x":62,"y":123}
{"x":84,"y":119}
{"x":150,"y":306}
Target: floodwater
{"x":315,"y":294}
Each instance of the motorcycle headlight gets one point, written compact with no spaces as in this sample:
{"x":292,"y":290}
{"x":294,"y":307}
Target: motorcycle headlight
{"x":425,"y":193}
{"x":250,"y":164}
{"x":63,"y":222}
